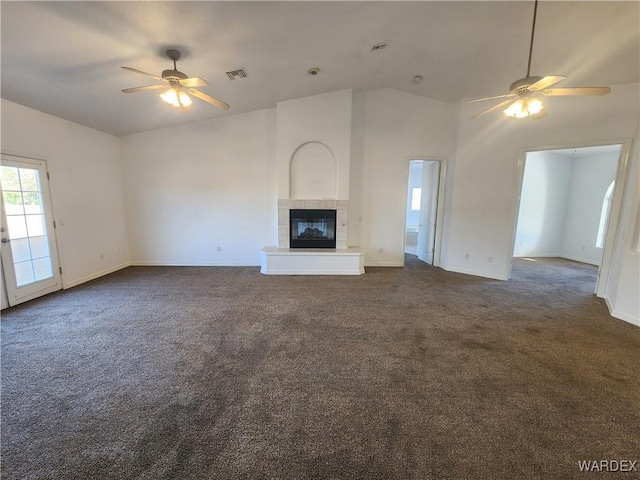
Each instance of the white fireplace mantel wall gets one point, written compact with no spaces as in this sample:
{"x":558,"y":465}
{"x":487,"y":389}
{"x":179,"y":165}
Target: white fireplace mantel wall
{"x":313,"y":153}
{"x":312,"y":125}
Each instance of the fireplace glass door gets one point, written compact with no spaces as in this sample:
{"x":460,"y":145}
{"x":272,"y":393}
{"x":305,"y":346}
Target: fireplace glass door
{"x":313,"y":228}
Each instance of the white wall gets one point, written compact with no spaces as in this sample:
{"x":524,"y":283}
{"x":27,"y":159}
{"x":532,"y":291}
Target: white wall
{"x":86,"y":188}
{"x":397,"y":127}
{"x":543,"y":205}
{"x":590,"y":179}
{"x":197,"y":188}
{"x":237,"y":178}
{"x":323,"y":119}
{"x":356,"y":171}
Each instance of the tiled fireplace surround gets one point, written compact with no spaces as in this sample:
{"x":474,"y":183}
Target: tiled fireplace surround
{"x":341,"y":207}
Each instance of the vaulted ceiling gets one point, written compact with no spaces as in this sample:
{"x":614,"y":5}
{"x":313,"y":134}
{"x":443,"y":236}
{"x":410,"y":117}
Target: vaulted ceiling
{"x":64,"y":58}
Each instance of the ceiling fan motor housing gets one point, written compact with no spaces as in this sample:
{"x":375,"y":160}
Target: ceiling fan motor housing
{"x":173,"y":75}
{"x":520,"y":86}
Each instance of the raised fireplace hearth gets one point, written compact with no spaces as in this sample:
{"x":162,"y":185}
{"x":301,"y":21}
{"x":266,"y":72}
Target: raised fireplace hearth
{"x":312,"y":228}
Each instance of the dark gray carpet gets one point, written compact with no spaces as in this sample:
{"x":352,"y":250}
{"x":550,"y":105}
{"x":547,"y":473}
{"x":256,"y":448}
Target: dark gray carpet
{"x":413,"y":373}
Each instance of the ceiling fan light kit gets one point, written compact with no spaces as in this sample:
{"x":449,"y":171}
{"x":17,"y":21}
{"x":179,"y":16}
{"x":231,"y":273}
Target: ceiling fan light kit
{"x":176,"y":98}
{"x":524,"y":97}
{"x":177,"y":86}
{"x":524,"y":108}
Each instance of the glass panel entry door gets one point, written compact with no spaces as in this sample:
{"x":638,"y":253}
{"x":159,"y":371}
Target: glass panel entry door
{"x":29,"y":255}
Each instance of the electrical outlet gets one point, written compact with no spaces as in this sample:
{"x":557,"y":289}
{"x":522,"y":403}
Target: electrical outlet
{"x":467,"y":256}
{"x":381,"y":250}
{"x":101,"y":256}
{"x":490,"y":259}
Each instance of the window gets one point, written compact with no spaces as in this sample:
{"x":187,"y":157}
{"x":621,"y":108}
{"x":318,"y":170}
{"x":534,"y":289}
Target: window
{"x":604,"y":216}
{"x":416,"y":196}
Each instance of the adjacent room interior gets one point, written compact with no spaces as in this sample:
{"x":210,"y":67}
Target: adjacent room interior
{"x":565,"y":203}
{"x":345,"y":244}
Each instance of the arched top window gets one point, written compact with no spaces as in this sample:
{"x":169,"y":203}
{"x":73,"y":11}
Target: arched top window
{"x":604,"y":216}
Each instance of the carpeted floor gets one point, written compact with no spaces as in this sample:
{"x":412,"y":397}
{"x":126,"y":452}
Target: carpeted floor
{"x":412,"y":373}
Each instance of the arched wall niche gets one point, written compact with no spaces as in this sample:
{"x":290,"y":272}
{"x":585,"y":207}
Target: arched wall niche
{"x":313,"y":172}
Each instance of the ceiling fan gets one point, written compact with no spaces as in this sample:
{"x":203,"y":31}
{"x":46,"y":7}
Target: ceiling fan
{"x":176,"y":86}
{"x":524,"y":95}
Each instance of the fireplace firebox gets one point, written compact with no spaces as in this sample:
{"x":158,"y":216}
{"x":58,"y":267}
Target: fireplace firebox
{"x":312,"y":228}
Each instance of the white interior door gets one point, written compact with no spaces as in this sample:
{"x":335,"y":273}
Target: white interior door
{"x":29,"y":251}
{"x":428,"y":211}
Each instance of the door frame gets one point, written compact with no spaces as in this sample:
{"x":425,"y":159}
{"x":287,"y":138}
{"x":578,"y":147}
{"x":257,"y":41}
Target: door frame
{"x":54,"y":233}
{"x":613,"y":223}
{"x":437,"y":247}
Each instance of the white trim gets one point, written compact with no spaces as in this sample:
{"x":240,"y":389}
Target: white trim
{"x":613,"y":223}
{"x":581,"y":260}
{"x":472,"y":272}
{"x":541,"y":255}
{"x":93,"y":276}
{"x":621,"y":315}
{"x":180,"y":264}
{"x":41,"y":287}
{"x":560,"y":255}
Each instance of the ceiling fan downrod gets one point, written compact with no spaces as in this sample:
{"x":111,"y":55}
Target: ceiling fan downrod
{"x":533,"y":31}
{"x":175,"y":56}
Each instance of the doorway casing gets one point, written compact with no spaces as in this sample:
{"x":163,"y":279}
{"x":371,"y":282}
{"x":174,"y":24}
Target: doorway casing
{"x":437,"y":247}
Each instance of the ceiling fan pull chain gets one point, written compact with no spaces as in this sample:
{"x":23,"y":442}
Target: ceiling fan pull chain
{"x":533,"y":30}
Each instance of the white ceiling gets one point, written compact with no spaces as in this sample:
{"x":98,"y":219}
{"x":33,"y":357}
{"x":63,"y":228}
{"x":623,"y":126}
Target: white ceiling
{"x":64,"y":58}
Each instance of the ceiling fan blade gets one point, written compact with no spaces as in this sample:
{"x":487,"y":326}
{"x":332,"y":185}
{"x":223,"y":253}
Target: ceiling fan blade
{"x":147,"y":87}
{"x":545,"y":82}
{"x":507,"y":95}
{"x":541,"y":114}
{"x":556,"y":92}
{"x":144,"y":73}
{"x":194,"y":82}
{"x":495,"y":107}
{"x":207,"y":98}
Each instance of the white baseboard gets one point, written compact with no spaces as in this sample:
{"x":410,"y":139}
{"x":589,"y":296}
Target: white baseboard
{"x":472,"y":272}
{"x":93,"y":276}
{"x":621,"y":315}
{"x":626,"y":318}
{"x":202,"y":264}
{"x":539,"y":255}
{"x":560,"y":255}
{"x":581,"y":260}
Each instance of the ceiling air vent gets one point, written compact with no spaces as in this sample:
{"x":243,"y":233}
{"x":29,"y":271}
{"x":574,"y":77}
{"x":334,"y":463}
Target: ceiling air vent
{"x":377,"y":47}
{"x":239,"y":73}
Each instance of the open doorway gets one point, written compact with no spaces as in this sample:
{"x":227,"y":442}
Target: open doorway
{"x":422,"y":227}
{"x":567,"y":205}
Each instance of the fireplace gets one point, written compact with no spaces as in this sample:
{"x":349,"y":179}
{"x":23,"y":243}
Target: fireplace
{"x":312,"y":228}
